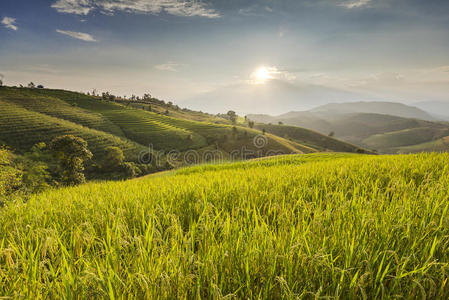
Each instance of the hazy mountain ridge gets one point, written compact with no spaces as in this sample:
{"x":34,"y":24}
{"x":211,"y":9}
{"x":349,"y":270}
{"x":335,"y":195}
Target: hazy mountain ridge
{"x":384,"y":132}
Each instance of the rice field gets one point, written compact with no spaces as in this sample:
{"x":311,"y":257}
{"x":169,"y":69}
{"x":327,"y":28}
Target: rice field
{"x":317,"y":226}
{"x":22,"y":128}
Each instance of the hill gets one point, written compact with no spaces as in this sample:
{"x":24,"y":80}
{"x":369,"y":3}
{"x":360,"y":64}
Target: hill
{"x":383,"y":108}
{"x":34,"y":115}
{"x":327,"y":225}
{"x":438,"y":109}
{"x":305,"y":136}
{"x":381,"y":132}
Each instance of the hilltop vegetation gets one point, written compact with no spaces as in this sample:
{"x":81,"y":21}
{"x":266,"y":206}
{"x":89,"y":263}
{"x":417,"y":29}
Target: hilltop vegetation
{"x":307,"y":226}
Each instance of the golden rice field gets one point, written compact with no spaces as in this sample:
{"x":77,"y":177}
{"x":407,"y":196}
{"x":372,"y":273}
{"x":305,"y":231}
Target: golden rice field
{"x":318,"y":226}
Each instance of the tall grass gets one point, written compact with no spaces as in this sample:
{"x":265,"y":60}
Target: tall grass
{"x":314,"y":226}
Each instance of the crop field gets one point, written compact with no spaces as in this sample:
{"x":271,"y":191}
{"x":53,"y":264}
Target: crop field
{"x":314,"y":226}
{"x":23,"y":128}
{"x":40,"y":115}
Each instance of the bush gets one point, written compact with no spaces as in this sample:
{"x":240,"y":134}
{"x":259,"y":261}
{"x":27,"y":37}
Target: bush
{"x":10,"y":176}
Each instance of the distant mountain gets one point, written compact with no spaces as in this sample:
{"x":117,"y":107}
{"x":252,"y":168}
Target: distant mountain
{"x":384,"y":108}
{"x":383,"y":132}
{"x":439,"y":109}
{"x":273,"y":97}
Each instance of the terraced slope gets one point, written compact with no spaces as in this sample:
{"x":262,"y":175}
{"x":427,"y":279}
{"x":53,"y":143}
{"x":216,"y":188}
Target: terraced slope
{"x":309,"y":137}
{"x":57,"y":108}
{"x":21,"y":129}
{"x":126,"y":123}
{"x":146,"y":128}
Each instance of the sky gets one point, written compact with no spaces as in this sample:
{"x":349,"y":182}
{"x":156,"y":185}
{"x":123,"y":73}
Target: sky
{"x":178,"y":50}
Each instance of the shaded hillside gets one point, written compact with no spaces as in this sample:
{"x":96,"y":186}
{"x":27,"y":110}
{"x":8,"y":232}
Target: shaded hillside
{"x":309,"y":137}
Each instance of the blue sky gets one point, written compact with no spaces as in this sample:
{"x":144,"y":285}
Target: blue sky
{"x":177,"y":49}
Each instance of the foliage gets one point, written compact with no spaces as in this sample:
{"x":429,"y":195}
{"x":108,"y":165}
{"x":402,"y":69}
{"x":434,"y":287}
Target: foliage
{"x":35,"y":166}
{"x":10,"y":176}
{"x":71,"y":152}
{"x":232,"y":116}
{"x":113,"y":158}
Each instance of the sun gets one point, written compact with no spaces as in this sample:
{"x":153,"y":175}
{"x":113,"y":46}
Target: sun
{"x":262,"y":74}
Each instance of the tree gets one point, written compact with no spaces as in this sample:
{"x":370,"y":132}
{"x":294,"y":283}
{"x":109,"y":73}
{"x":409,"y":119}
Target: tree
{"x":263,"y":131}
{"x":31,"y":85}
{"x":232,"y":116}
{"x":251,"y":124}
{"x":10,"y":177}
{"x":113,"y":158}
{"x":331,"y":134}
{"x":70,"y":152}
{"x":1,"y":82}
{"x":147,"y":96}
{"x":280,"y":123}
{"x":34,"y":164}
{"x":234,"y":130}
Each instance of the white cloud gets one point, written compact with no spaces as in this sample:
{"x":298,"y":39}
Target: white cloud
{"x":355,"y":3}
{"x":79,"y":7}
{"x":169,"y":67}
{"x":78,"y":35}
{"x":9,"y":23}
{"x":188,"y":8}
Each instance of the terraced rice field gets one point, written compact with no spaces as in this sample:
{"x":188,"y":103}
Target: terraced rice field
{"x":23,"y":128}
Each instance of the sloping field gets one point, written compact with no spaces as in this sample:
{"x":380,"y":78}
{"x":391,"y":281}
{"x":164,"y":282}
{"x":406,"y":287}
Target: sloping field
{"x":22,"y":128}
{"x":307,"y":226}
{"x":407,"y":137}
{"x":308,"y":137}
{"x":142,"y":127}
{"x":59,"y":109}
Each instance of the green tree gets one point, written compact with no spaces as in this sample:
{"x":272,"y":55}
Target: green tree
{"x":10,"y":177}
{"x":70,"y":152}
{"x":113,"y":158}
{"x":232,"y":116}
{"x":251,"y":124}
{"x":36,"y":176}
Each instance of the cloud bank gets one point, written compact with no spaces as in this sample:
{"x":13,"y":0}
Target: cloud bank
{"x":187,"y":8}
{"x":77,"y":35}
{"x":9,"y":23}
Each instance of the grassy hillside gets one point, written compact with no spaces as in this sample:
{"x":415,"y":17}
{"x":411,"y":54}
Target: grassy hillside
{"x":306,"y":137}
{"x":33,"y":115}
{"x":407,"y":137}
{"x":320,"y":225}
{"x":21,"y":128}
